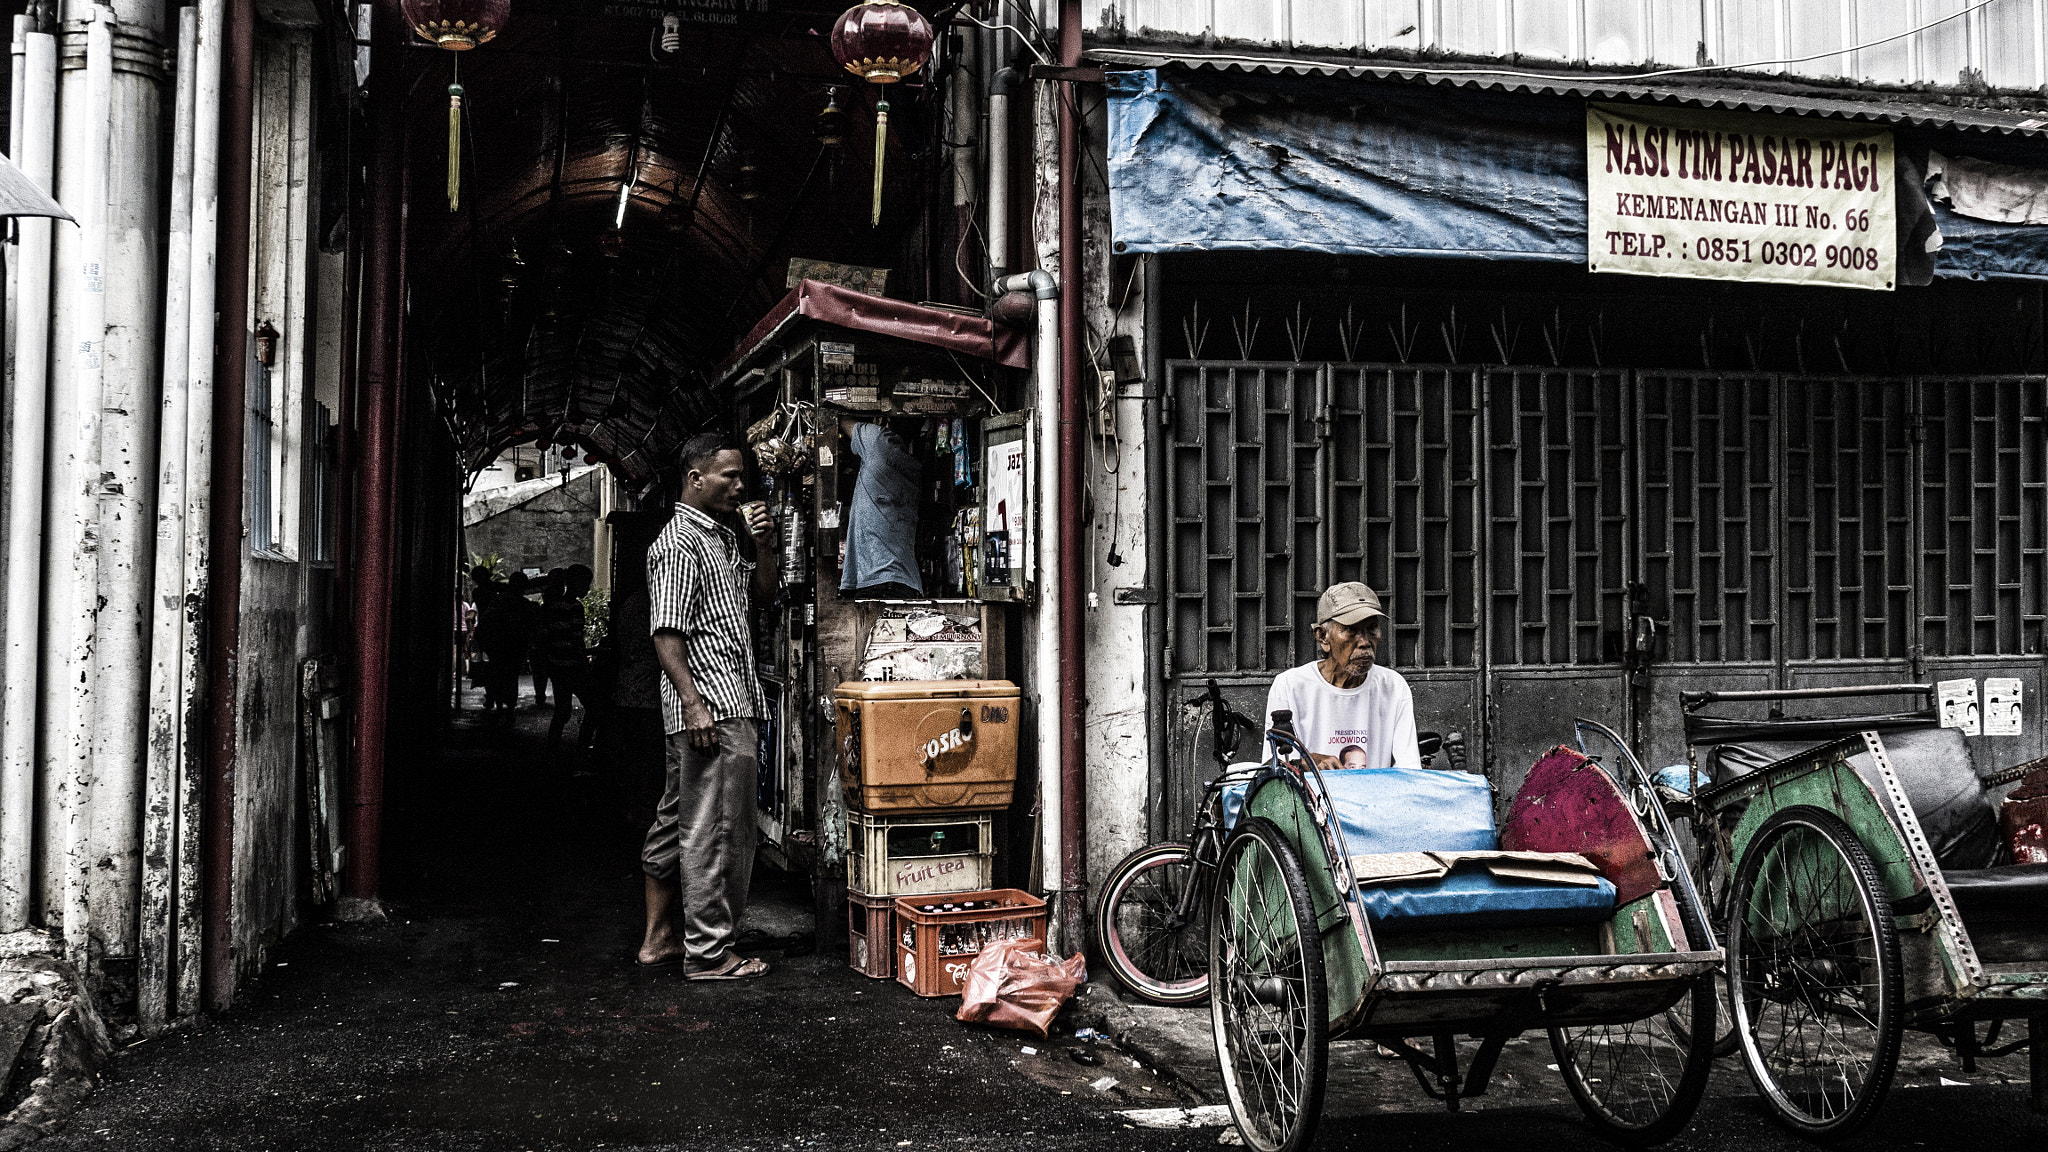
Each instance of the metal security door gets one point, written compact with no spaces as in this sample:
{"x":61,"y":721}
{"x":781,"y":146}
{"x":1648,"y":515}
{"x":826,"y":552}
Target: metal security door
{"x":1406,"y":508}
{"x":1847,"y":591}
{"x":1244,"y":544}
{"x":1707,"y":542}
{"x":1558,"y":551}
{"x":1982,"y":520}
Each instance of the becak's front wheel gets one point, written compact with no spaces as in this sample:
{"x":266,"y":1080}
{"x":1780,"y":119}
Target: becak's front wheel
{"x":1268,"y":1004}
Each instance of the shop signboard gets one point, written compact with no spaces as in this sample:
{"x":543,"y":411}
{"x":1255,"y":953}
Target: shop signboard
{"x":1730,"y":196}
{"x":732,"y":13}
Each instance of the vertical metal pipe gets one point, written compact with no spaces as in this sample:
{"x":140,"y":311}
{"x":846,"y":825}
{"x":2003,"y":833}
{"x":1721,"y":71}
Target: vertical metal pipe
{"x":999,"y":173}
{"x":1073,"y":701}
{"x":370,"y":597}
{"x":230,"y":400}
{"x":26,"y":494}
{"x":167,"y":624}
{"x":77,"y":451}
{"x":127,"y":482}
{"x":188,"y":933}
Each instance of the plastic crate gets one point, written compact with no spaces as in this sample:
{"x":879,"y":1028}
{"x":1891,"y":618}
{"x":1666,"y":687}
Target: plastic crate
{"x":919,"y":856}
{"x":933,"y":949}
{"x":869,"y":920}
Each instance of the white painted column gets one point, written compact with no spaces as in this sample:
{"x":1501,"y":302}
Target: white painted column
{"x":130,"y":404}
{"x":167,"y":624}
{"x":72,"y":559}
{"x":198,"y":499}
{"x":26,"y":492}
{"x":1042,"y":552}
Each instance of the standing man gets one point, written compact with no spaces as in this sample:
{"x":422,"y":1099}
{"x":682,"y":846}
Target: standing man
{"x":700,"y":849}
{"x":1350,"y":711}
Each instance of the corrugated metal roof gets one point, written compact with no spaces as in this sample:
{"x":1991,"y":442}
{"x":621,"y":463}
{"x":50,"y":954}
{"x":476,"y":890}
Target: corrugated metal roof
{"x":1722,"y":94}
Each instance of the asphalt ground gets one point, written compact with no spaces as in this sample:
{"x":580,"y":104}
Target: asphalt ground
{"x":499,"y":1009}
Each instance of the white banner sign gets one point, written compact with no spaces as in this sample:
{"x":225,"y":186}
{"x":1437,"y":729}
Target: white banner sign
{"x":1727,"y":196}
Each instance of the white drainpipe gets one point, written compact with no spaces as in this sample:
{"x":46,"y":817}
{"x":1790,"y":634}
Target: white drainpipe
{"x":198,"y":495}
{"x":130,"y":406}
{"x":1041,"y":559}
{"x":24,"y":586}
{"x":167,"y":626}
{"x":998,"y":137}
{"x":73,"y":556}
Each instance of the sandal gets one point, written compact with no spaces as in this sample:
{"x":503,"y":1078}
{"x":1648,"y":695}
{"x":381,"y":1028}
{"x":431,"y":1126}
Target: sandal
{"x":735,"y":968}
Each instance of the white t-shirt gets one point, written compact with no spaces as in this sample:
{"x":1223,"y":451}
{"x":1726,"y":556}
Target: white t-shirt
{"x":1370,"y":726}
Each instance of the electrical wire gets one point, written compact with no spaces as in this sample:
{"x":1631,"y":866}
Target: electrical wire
{"x":1023,"y":37}
{"x":1569,"y":77}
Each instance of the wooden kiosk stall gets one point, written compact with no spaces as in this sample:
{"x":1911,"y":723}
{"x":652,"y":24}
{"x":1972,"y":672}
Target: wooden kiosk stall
{"x":834,"y":370}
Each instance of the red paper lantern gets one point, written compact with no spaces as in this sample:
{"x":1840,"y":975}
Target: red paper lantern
{"x":457,"y":25}
{"x":881,"y":41}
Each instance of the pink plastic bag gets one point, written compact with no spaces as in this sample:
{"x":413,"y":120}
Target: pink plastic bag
{"x":1013,"y":984}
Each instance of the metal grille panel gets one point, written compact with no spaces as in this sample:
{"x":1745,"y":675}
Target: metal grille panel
{"x":1557,"y":494}
{"x":1708,"y":523}
{"x":1984,"y":500}
{"x":1246,"y":523}
{"x":1405,"y":503}
{"x":1847,"y":530}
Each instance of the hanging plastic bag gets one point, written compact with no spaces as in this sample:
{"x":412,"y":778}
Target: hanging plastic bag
{"x":1013,"y":984}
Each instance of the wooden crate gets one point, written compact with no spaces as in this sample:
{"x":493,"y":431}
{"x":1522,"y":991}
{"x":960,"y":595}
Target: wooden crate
{"x":933,"y":949}
{"x":918,"y":856}
{"x":869,"y":921}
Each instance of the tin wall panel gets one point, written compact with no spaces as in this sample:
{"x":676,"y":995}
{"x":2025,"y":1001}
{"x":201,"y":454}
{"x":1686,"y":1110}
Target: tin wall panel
{"x":1328,"y":24}
{"x":1617,"y":31}
{"x":1891,"y":63}
{"x":1944,"y":52}
{"x":1749,"y":31}
{"x":1264,"y":23}
{"x":2004,"y":42}
{"x":1815,"y":28}
{"x":1545,"y":29}
{"x":1675,"y":33}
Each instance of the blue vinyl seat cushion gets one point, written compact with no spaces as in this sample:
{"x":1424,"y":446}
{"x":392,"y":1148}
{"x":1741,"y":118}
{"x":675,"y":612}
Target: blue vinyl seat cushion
{"x":1472,"y":897}
{"x":1430,"y":810}
{"x":1401,"y":810}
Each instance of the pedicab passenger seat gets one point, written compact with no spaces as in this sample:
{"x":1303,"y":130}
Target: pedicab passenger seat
{"x":2014,"y":892}
{"x":1385,"y":810}
{"x":1933,"y":764}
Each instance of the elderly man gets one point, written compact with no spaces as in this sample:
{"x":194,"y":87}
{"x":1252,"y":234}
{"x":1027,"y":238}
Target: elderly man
{"x":1349,"y":710}
{"x":701,"y":847}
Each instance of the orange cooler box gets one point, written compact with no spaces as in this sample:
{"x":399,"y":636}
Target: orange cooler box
{"x":918,"y":745}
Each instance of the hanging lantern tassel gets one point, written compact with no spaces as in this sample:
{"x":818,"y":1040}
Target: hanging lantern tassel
{"x":881,"y":150}
{"x":454,"y":147}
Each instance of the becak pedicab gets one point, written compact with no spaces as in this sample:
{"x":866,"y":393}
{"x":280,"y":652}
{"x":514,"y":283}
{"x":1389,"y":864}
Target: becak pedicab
{"x":1383,"y":905}
{"x":1858,"y":877}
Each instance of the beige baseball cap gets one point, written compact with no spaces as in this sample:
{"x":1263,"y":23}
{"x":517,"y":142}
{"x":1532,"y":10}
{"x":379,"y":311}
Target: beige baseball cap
{"x":1348,"y":603}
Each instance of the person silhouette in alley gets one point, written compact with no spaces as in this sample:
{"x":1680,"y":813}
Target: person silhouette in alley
{"x":698,"y":858}
{"x":505,"y":631}
{"x":561,"y":643}
{"x":540,"y":658}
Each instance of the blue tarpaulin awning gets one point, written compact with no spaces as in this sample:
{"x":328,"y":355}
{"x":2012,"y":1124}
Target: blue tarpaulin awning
{"x":1213,"y":162}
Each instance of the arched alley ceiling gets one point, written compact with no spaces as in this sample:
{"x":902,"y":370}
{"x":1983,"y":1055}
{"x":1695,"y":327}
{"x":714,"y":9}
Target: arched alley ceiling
{"x":529,"y":320}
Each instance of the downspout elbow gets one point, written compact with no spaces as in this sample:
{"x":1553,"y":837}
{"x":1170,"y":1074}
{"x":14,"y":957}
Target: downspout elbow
{"x":1038,"y":282}
{"x":1005,"y":82}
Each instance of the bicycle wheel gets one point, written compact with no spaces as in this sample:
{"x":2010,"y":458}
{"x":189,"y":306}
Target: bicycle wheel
{"x":1268,"y":1010}
{"x":1640,"y":1082}
{"x":1152,"y":924}
{"x":1817,"y":978}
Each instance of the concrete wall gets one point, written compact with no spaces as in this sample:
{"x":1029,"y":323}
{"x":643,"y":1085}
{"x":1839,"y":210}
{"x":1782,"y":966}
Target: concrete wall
{"x":552,"y":530}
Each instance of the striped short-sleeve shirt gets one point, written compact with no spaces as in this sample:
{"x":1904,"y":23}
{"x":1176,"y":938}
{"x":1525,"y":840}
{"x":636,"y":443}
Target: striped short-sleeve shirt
{"x":697,"y":585}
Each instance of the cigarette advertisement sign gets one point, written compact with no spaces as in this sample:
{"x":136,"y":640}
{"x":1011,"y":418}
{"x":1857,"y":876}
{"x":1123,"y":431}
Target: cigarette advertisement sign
{"x":1725,"y":196}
